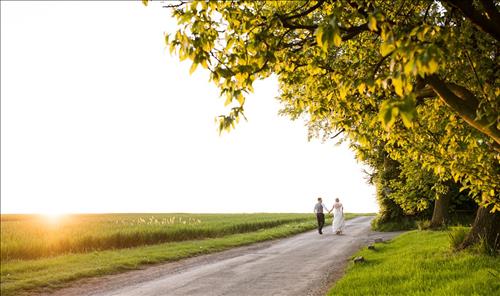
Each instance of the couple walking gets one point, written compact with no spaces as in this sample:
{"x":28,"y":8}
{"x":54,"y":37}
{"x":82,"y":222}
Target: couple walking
{"x":338,"y":216}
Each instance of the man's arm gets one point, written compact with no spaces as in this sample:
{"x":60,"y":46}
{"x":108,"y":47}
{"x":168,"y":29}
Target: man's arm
{"x":329,"y":211}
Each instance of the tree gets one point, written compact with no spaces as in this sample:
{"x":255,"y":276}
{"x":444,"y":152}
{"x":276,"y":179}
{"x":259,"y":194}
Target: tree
{"x":406,"y":190}
{"x":422,"y":77}
{"x":386,"y":175}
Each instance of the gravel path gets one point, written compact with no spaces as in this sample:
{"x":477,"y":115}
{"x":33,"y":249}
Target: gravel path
{"x":305,"y":264}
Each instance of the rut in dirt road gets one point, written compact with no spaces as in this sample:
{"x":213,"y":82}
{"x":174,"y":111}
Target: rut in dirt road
{"x":304,"y":264}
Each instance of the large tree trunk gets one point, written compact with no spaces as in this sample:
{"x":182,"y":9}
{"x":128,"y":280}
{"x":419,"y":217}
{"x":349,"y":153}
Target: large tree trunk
{"x":440,"y":214}
{"x":486,"y":226}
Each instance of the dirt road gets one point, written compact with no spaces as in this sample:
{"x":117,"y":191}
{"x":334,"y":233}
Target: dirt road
{"x":304,"y":264}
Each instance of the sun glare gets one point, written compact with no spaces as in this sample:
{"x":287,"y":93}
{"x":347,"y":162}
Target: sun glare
{"x":52,"y":217}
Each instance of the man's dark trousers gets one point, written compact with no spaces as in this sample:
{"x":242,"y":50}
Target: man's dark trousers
{"x":321,"y":222}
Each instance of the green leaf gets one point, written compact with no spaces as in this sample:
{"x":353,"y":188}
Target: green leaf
{"x":228,"y":101}
{"x":388,"y":112}
{"x":361,"y":88}
{"x":327,"y":37}
{"x":343,"y":92}
{"x":387,"y":117}
{"x":407,"y":116}
{"x":397,"y":82}
{"x":372,"y":23}
{"x":409,"y":67}
{"x":408,"y":111}
{"x":386,"y":48}
{"x":337,"y":40}
{"x":193,"y":68}
{"x":319,"y":36}
{"x":433,"y":66}
{"x":241,"y":99}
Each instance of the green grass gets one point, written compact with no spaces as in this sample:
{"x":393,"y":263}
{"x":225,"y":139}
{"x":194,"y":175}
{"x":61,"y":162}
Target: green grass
{"x":18,"y":276}
{"x":33,"y":236}
{"x":398,"y":225}
{"x":420,"y":263}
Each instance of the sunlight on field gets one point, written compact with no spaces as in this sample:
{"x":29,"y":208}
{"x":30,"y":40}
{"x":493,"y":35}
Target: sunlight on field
{"x":53,"y":217}
{"x":52,"y":234}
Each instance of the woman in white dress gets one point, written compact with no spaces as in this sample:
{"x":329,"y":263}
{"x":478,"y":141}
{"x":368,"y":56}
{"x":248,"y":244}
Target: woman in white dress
{"x":338,"y":217}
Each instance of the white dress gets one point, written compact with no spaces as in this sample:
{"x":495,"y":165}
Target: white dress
{"x":338,"y":218}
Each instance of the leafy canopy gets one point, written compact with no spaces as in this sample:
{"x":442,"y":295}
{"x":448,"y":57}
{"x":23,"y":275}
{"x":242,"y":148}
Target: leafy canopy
{"x":420,"y":78}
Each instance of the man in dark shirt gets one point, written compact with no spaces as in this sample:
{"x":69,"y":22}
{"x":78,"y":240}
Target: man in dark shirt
{"x":320,"y":216}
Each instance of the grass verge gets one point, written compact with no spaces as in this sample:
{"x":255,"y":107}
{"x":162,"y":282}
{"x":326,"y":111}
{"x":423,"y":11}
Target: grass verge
{"x":20,"y":276}
{"x":420,"y":263}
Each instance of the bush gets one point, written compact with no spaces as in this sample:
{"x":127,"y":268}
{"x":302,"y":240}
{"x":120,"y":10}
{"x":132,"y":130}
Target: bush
{"x":483,"y":248}
{"x":457,"y":235}
{"x":423,"y":224}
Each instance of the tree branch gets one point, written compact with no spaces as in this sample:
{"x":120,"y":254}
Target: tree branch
{"x":465,"y":95}
{"x":285,"y":20}
{"x":485,"y":23}
{"x":462,"y":101}
{"x":337,"y":134}
{"x":474,"y":70}
{"x":355,"y":5}
{"x":353,"y":31}
{"x":181,"y":2}
{"x":293,"y":26}
{"x":377,"y":66}
{"x":424,"y":93}
{"x":298,"y":8}
{"x":304,"y":13}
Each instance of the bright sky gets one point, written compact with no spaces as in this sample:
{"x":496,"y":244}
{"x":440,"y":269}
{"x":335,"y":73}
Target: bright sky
{"x":96,"y":116}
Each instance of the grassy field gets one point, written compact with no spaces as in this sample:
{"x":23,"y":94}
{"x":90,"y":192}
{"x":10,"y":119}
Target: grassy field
{"x":181,"y":236}
{"x":33,"y":236}
{"x":420,"y":263}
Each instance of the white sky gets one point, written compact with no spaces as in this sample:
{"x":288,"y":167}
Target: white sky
{"x":96,"y":116}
